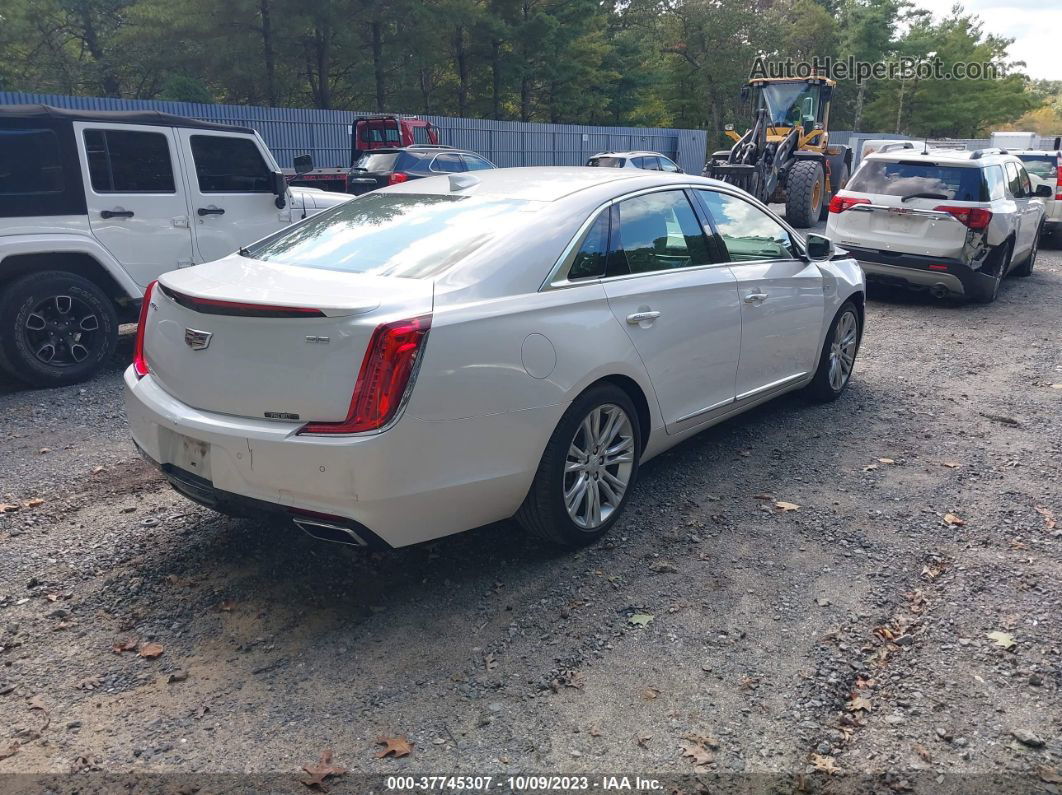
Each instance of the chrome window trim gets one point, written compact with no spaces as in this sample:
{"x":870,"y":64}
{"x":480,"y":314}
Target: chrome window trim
{"x":432,"y":169}
{"x":557,"y":278}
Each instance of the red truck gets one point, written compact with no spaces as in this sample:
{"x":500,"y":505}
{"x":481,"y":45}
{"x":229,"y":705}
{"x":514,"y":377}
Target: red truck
{"x":367,"y":133}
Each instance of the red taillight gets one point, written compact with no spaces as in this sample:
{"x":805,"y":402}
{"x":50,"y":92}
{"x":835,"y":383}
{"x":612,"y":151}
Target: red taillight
{"x":140,"y":366}
{"x":397,"y":177}
{"x":938,"y":267}
{"x":1058,"y":182}
{"x":838,"y":204}
{"x":383,"y":378}
{"x":972,"y":217}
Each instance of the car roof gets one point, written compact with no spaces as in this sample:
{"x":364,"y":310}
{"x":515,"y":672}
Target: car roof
{"x":546,"y":183}
{"x":419,"y":149}
{"x":953,"y":157}
{"x":1049,"y":152}
{"x":152,"y":117}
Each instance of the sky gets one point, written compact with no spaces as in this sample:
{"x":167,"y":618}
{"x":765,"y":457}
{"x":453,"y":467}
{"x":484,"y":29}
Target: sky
{"x":1033,"y":24}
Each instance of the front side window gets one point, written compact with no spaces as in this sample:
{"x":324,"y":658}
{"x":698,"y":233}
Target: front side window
{"x":230,"y":165}
{"x":589,"y":262}
{"x":126,"y":161}
{"x":658,"y":231}
{"x":1013,"y":181}
{"x":408,"y":235}
{"x":1026,"y":183}
{"x":748,"y":233}
{"x":912,"y":178}
{"x":30,"y":163}
{"x":667,"y":165}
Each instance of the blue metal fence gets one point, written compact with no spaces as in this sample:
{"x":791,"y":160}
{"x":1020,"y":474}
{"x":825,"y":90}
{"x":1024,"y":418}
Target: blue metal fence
{"x":325,"y":134}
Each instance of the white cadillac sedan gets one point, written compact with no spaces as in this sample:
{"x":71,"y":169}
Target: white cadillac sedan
{"x":458,"y":350}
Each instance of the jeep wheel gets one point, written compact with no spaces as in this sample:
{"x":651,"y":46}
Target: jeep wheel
{"x":805,"y":190}
{"x":56,"y":328}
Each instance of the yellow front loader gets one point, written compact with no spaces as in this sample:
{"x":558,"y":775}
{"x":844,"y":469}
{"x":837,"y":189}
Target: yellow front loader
{"x":786,"y":155}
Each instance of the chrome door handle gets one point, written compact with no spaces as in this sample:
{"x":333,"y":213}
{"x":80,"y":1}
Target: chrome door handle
{"x":755,"y":298}
{"x":638,"y":317}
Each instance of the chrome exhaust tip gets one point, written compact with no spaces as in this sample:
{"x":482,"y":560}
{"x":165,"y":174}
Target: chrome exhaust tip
{"x":322,"y":530}
{"x":939,"y":291}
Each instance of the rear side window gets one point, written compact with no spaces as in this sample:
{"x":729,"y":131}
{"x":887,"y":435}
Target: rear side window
{"x":382,"y":162}
{"x":607,"y":162}
{"x":229,"y":165}
{"x":447,"y":164}
{"x":30,"y":163}
{"x":589,"y":262}
{"x":907,"y":178}
{"x":408,"y":235}
{"x":475,"y":163}
{"x":124,"y":161}
{"x":657,"y":232}
{"x":994,"y":177}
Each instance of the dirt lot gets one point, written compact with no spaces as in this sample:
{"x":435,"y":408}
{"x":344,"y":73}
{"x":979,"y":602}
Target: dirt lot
{"x":715,"y":634}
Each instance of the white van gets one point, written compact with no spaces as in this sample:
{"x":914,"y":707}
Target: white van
{"x":95,"y":205}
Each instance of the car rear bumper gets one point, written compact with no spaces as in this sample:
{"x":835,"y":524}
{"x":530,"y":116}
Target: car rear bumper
{"x":919,"y":272}
{"x":417,"y":481}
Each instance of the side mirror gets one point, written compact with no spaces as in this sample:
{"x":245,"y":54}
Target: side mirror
{"x":819,"y":248}
{"x":1043,"y":191}
{"x":280,"y":189}
{"x":303,"y":164}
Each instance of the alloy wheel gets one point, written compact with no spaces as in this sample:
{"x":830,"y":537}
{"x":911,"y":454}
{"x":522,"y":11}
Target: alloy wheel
{"x":598,"y":466}
{"x":61,"y":331}
{"x":843,"y":350}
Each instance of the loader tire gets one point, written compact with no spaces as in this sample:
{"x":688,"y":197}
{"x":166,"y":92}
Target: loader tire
{"x":804,"y":192}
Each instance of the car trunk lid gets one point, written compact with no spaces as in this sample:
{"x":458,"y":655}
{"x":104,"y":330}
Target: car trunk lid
{"x":220,"y":339}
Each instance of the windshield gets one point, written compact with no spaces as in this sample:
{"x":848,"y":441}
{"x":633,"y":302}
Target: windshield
{"x":907,"y":178}
{"x":377,"y":161}
{"x":607,"y":162}
{"x":393,"y":234}
{"x":1042,"y":166}
{"x":789,"y":104}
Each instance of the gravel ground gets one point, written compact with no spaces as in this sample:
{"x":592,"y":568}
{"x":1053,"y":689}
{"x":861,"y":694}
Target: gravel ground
{"x":848,"y":635}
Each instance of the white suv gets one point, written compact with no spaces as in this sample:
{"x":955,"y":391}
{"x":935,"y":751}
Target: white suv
{"x":1045,"y":168}
{"x":951,"y":222}
{"x":647,"y":161}
{"x":96,"y":205}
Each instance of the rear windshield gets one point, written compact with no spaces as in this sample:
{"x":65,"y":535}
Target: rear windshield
{"x":907,"y":178}
{"x":393,"y":234}
{"x":1042,"y":166}
{"x":376,"y":162}
{"x":607,"y":162}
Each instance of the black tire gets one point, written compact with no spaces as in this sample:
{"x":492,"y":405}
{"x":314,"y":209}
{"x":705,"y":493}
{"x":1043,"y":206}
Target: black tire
{"x":842,"y":180}
{"x":81,"y":338}
{"x":543,"y":512}
{"x":990,"y":291}
{"x":805,"y":188}
{"x":821,"y":389}
{"x":1027,"y":264}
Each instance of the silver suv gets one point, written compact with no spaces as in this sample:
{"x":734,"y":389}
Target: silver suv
{"x":647,"y":161}
{"x":950,"y":222}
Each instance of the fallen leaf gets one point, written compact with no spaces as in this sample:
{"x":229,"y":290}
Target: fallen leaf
{"x":489,"y":662}
{"x":785,"y":507}
{"x":825,"y":764}
{"x":177,"y":676}
{"x":97,"y":470}
{"x":1049,"y":775}
{"x":821,"y":602}
{"x":595,"y":731}
{"x":643,"y":739}
{"x":922,"y":752}
{"x":663,"y":567}
{"x":34,"y":502}
{"x":650,"y":693}
{"x":129,"y":644}
{"x":1002,"y":639}
{"x":931,"y":572}
{"x":151,"y":650}
{"x":396,"y":747}
{"x":573,"y":679}
{"x":11,"y":750}
{"x":641,"y":619}
{"x":1049,"y":516}
{"x":859,"y":704}
{"x":870,"y":467}
{"x":952,"y":520}
{"x":321,"y":771}
{"x":7,"y":507}
{"x":1056,"y":386}
{"x":886,"y":461}
{"x":951,"y":464}
{"x":702,"y":739}
{"x":90,"y":683}
{"x":700,"y":756}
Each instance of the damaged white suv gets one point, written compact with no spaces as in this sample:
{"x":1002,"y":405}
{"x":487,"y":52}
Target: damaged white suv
{"x":951,"y":222}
